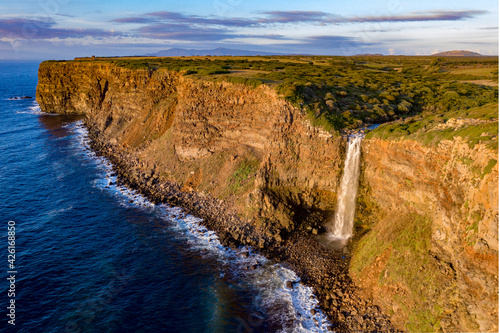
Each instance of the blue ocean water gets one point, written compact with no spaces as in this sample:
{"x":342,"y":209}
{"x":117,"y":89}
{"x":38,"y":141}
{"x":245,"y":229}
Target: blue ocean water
{"x":91,"y":256}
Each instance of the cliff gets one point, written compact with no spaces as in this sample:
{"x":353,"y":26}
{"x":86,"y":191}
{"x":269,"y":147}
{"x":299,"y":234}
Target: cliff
{"x":254,"y":168}
{"x":246,"y":146}
{"x":431,"y":256}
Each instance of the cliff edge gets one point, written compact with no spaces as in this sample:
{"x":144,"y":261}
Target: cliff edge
{"x":425,"y":252}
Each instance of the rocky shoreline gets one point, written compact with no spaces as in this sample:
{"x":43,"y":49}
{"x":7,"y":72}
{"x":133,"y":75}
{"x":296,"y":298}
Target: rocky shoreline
{"x":326,"y":270}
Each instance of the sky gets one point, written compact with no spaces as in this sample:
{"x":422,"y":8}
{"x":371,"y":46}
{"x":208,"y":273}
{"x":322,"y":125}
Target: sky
{"x":64,"y":29}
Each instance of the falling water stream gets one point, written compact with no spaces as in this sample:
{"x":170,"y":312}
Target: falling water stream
{"x":340,"y":228}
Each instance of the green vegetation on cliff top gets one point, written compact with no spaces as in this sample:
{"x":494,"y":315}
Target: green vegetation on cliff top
{"x":341,"y":93}
{"x":475,"y":125}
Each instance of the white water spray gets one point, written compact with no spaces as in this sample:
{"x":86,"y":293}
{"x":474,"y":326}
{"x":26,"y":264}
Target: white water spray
{"x":341,"y":228}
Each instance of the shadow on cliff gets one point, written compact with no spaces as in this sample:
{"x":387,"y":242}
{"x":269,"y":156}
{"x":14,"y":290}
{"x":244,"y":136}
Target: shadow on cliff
{"x":54,"y":124}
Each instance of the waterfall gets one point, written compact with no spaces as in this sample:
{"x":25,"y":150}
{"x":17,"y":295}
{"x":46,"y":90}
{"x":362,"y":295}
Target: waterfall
{"x":341,"y":228}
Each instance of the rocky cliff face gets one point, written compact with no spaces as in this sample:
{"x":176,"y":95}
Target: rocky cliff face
{"x":426,"y":245}
{"x":246,"y":146}
{"x":431,"y":256}
{"x":128,"y":108}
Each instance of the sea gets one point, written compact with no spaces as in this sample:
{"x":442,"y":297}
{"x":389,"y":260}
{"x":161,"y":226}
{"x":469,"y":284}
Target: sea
{"x":83,"y":254}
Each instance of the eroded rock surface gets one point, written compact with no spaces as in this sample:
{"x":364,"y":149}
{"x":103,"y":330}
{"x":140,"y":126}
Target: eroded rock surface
{"x":443,"y":199}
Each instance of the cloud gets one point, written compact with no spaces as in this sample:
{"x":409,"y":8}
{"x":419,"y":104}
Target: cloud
{"x":194,"y":33}
{"x":327,"y":18}
{"x":178,"y":26}
{"x":174,"y":17}
{"x":297,"y":17}
{"x":474,"y":42}
{"x":42,"y":28}
{"x":133,"y":20}
{"x":332,"y":40}
{"x":168,"y":25}
{"x":184,"y":32}
{"x":420,"y":16}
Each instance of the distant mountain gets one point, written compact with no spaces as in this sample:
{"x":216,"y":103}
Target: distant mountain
{"x":457,"y":54}
{"x":369,"y":55}
{"x":177,"y":52}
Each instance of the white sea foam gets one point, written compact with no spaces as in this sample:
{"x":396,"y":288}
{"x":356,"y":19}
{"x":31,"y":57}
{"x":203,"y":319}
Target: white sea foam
{"x":59,"y":211}
{"x":107,"y":180}
{"x":34,"y":109}
{"x":291,"y":308}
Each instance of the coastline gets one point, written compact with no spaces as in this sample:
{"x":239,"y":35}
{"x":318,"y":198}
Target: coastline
{"x":260,"y":171}
{"x":325,"y":270}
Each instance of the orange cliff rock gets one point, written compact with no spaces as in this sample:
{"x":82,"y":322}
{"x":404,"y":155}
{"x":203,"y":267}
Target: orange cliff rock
{"x":443,"y":199}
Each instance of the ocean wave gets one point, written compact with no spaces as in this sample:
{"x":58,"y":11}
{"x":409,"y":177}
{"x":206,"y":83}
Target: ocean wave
{"x":35,"y":109}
